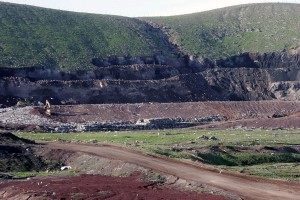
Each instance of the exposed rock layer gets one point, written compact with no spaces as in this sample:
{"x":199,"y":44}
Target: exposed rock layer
{"x":249,"y":76}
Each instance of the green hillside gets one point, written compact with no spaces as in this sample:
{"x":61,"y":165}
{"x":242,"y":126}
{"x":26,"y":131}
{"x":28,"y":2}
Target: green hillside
{"x":228,"y":31}
{"x":32,"y":36}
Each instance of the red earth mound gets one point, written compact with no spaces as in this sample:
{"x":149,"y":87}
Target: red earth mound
{"x":95,"y":187}
{"x":251,"y":114}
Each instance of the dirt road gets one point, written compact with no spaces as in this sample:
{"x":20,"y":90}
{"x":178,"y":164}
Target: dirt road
{"x":245,"y":186}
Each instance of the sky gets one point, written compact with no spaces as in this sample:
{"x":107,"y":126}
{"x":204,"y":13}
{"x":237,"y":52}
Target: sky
{"x":139,"y":8}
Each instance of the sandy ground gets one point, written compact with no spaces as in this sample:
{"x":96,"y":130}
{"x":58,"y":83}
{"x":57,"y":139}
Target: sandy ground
{"x":245,"y":186}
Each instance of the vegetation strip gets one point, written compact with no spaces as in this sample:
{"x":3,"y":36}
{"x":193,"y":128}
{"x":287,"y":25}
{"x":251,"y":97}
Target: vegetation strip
{"x":273,"y":154}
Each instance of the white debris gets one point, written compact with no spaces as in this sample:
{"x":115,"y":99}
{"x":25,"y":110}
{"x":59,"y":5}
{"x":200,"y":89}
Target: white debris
{"x":63,"y":168}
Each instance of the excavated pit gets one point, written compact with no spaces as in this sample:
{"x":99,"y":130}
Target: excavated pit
{"x":246,"y":77}
{"x":145,"y":116}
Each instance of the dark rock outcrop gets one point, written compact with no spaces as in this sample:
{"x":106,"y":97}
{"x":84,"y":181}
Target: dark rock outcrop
{"x":182,"y":88}
{"x":285,"y":59}
{"x":249,"y":76}
{"x":239,"y":84}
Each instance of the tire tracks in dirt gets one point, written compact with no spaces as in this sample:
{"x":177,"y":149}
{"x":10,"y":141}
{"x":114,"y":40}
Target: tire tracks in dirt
{"x":243,"y":185}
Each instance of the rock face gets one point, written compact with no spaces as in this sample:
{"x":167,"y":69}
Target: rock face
{"x":176,"y":89}
{"x":255,"y":76}
{"x":124,"y":72}
{"x":129,"y":60}
{"x":249,"y":76}
{"x":285,"y":59}
{"x":240,"y":84}
{"x":286,"y":90}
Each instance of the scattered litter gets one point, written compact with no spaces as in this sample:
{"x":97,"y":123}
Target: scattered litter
{"x":63,"y":168}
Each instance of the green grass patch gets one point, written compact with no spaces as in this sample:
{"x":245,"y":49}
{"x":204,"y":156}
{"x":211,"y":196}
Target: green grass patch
{"x":233,"y":30}
{"x":26,"y":174}
{"x":242,"y":159}
{"x":289,"y":171}
{"x":188,"y":144}
{"x":218,"y":159}
{"x":39,"y":37}
{"x":171,"y":137}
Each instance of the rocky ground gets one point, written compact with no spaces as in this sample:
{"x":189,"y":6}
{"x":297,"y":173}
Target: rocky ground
{"x":79,"y":118}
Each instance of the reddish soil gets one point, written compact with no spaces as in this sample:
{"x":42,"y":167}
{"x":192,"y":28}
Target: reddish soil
{"x":96,"y":187}
{"x":243,"y":185}
{"x":137,"y":186}
{"x":291,"y":121}
{"x":254,"y":114}
{"x":263,"y":114}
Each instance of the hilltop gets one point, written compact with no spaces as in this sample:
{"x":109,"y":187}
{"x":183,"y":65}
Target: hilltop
{"x":38,"y":37}
{"x":230,"y":31}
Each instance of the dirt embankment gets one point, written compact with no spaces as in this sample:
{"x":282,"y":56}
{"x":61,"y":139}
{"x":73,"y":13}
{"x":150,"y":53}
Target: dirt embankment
{"x":78,"y":118}
{"x":17,"y":154}
{"x":187,"y":111}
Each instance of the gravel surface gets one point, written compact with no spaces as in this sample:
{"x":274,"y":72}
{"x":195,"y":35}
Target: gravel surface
{"x":24,"y":116}
{"x":104,"y":117}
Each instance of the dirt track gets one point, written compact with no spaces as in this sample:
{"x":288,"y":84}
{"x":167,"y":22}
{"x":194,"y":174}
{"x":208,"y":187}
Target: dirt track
{"x":245,"y":186}
{"x":17,"y":153}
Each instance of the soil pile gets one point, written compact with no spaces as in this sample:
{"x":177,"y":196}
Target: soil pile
{"x":19,"y":155}
{"x":96,"y":187}
{"x":7,"y":138}
{"x":105,"y":117}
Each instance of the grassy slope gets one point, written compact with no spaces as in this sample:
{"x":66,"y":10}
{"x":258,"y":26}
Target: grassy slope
{"x":232,"y":30}
{"x":32,"y":36}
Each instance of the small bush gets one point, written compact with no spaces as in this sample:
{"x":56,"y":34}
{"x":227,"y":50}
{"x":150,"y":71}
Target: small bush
{"x":244,"y":159}
{"x":260,"y":158}
{"x":218,"y":159}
